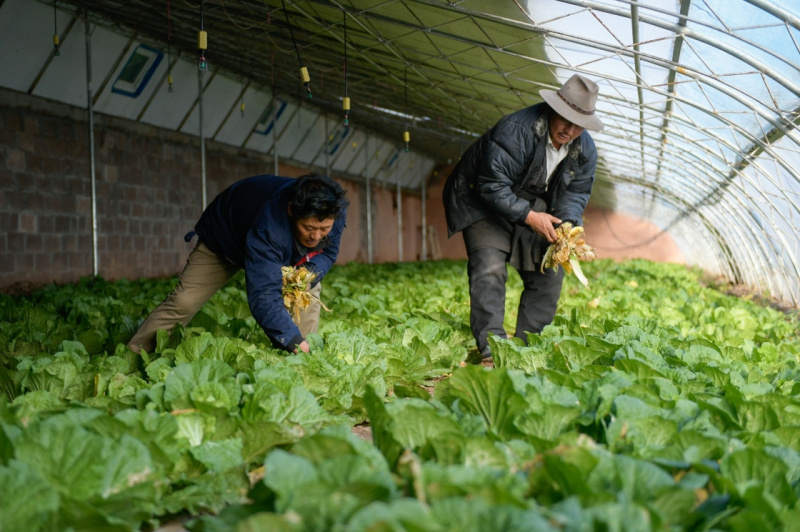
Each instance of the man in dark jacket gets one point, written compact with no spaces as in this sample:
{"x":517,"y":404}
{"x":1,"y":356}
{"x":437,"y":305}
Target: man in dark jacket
{"x":530,"y":172}
{"x":260,"y":224}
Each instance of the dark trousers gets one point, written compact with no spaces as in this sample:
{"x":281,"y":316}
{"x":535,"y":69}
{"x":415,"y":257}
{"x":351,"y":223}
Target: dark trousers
{"x":486,"y":267}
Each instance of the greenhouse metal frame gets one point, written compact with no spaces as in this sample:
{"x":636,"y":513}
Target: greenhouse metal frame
{"x":700,"y":98}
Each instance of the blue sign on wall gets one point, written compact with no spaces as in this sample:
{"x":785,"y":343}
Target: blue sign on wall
{"x":138,"y":70}
{"x":267,"y":121}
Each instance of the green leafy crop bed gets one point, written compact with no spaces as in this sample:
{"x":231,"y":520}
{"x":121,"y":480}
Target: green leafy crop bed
{"x":651,"y":403}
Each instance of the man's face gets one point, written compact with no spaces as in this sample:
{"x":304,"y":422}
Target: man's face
{"x":562,"y":131}
{"x":310,"y":231}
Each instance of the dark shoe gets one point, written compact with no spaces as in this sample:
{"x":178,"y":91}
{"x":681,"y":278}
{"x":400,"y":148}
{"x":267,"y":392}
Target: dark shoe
{"x":477,"y":357}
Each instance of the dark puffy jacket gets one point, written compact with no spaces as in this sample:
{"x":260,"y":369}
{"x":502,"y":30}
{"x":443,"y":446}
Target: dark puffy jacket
{"x":248,"y":225}
{"x":509,"y":160}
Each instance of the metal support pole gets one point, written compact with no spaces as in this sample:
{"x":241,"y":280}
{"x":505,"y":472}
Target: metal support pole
{"x":275,"y":139}
{"x":423,"y":254}
{"x":202,"y":137}
{"x":90,"y":108}
{"x":325,"y":147}
{"x":369,"y":200}
{"x":399,"y":222}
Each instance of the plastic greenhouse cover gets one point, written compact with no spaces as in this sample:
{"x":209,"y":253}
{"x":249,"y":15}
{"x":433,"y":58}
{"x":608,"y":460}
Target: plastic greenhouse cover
{"x":735,"y":87}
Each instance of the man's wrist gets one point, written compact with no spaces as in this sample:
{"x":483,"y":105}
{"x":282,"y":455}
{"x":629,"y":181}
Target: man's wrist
{"x":294,"y":342}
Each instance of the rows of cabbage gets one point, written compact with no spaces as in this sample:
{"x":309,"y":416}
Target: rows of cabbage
{"x":650,"y":403}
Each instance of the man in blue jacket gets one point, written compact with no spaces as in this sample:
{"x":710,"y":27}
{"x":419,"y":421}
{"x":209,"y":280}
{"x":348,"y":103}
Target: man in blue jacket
{"x":260,"y":224}
{"x":533,"y":170}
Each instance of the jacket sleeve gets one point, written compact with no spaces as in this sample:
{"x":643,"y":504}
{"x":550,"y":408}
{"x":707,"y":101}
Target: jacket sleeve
{"x":262,"y":268}
{"x":575,"y":196}
{"x":508,"y":147}
{"x":320,"y":264}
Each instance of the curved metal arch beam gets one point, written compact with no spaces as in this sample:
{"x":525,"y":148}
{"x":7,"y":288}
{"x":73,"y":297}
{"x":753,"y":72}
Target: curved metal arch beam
{"x":684,"y":17}
{"x":688,"y":233}
{"x":690,"y":227}
{"x":386,"y":42}
{"x":722,"y":246}
{"x":758,"y":262}
{"x":731,"y":92}
{"x":699,"y":77}
{"x":688,"y":191}
{"x":725,"y":180}
{"x":752,"y":61}
{"x":637,"y":66}
{"x":448,"y":59}
{"x":735,"y":239}
{"x":671,"y":74}
{"x":716,"y":84}
{"x":745,"y":233}
{"x":769,"y":138}
{"x":759,"y":143}
{"x":777,"y":12}
{"x":722,"y":87}
{"x":327,"y":28}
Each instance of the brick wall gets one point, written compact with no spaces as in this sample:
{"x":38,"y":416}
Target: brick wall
{"x":148,"y":196}
{"x":148,"y":190}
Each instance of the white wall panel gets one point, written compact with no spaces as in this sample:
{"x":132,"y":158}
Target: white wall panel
{"x":27,"y":39}
{"x":381,"y":152}
{"x":313,"y":142}
{"x":346,"y":162}
{"x":295,"y":131}
{"x":128,"y":105}
{"x":239,"y":125}
{"x":272,"y":116}
{"x":218,"y":97}
{"x":336,"y":140}
{"x":65,"y":77}
{"x":168,"y":108}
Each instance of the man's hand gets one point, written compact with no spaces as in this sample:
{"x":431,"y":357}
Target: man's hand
{"x":542,"y":223}
{"x":302,"y":346}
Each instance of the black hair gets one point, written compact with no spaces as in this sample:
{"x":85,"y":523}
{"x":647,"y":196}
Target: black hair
{"x":317,"y":196}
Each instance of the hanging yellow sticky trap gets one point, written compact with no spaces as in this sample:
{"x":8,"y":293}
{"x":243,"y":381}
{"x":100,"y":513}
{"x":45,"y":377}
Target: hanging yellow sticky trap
{"x":169,"y":82}
{"x":406,"y":138}
{"x":304,"y":75}
{"x":202,"y":45}
{"x":56,"y":42}
{"x":241,"y":108}
{"x":346,"y":108}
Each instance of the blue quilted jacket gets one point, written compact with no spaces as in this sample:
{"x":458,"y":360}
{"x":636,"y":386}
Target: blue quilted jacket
{"x":510,"y":159}
{"x":248,"y":225}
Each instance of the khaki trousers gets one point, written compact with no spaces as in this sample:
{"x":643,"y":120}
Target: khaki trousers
{"x":205,"y":273}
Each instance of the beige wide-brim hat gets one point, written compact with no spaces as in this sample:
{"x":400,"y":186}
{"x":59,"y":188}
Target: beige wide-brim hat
{"x":575,"y":101}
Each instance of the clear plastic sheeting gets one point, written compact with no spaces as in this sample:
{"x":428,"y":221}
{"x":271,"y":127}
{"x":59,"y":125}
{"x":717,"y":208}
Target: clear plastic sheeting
{"x":701,"y":112}
{"x":701,"y":98}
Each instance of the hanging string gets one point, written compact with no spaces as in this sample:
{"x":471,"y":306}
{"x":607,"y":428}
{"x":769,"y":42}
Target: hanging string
{"x":303,"y":70}
{"x":202,"y":39}
{"x":244,"y":87}
{"x":56,"y":40}
{"x":406,"y":133}
{"x":346,"y":100}
{"x":169,"y":48}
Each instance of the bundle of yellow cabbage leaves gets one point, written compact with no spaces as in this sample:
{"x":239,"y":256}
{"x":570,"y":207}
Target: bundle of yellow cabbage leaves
{"x":568,"y":249}
{"x":296,"y":286}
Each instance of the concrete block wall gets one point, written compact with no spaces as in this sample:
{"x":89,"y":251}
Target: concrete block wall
{"x":148,"y":190}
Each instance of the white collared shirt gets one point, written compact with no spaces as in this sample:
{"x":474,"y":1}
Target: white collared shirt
{"x":554,"y":156}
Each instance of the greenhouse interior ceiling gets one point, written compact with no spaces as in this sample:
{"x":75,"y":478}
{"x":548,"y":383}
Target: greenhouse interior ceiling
{"x":700,"y":98}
